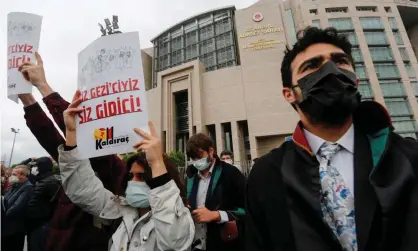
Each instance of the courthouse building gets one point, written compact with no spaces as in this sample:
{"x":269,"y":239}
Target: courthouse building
{"x":219,"y":72}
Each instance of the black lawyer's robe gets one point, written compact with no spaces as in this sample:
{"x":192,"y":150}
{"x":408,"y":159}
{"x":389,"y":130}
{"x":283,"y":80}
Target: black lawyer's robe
{"x":283,"y":191}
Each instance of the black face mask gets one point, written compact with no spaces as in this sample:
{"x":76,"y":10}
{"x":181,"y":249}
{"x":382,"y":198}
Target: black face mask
{"x":330,"y":95}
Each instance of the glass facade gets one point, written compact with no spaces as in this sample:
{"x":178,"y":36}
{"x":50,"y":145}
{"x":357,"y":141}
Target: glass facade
{"x":398,"y":38}
{"x":366,"y":90}
{"x":361,"y":71}
{"x":210,"y":38}
{"x":376,"y":38}
{"x":291,"y":25}
{"x":352,"y":37}
{"x":410,"y":70}
{"x":341,"y":23}
{"x":387,"y":71}
{"x":316,"y":23}
{"x":371,"y":23}
{"x":392,"y":89}
{"x":381,"y":54}
{"x":357,"y":55}
{"x":393,"y":23}
{"x":415,"y":87}
{"x":404,"y":54}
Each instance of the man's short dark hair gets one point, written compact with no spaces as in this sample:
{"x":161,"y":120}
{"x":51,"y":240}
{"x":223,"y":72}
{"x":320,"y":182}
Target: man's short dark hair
{"x":226,"y":152}
{"x":196,"y":142}
{"x":306,"y":38}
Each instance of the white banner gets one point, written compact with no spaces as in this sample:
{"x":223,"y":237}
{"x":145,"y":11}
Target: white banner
{"x":111,"y":80}
{"x":23,"y":34}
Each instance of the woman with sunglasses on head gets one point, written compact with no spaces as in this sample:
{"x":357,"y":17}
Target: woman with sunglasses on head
{"x":154,"y":215}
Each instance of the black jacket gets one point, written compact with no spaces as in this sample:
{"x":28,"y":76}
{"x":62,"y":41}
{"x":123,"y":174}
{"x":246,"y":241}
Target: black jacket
{"x":226,"y":193}
{"x":283,"y":192}
{"x":15,"y":202}
{"x":42,"y":203}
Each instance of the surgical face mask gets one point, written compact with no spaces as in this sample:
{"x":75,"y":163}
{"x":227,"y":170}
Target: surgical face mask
{"x":137,"y":194}
{"x":202,"y":164}
{"x":330,"y":95}
{"x":34,"y":171}
{"x":229,"y":161}
{"x":14,"y":179}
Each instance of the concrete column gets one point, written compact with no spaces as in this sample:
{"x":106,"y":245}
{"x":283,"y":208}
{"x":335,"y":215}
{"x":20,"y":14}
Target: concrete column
{"x":235,"y":143}
{"x":219,"y":138}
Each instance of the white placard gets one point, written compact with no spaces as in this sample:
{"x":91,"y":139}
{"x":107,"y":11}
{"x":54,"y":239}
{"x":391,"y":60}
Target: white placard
{"x":23,"y":34}
{"x":111,"y":80}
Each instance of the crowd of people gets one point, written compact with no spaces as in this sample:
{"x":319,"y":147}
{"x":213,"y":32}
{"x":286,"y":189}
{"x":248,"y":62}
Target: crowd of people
{"x":344,"y":181}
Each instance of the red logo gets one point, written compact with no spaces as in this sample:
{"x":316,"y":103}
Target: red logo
{"x":257,"y":17}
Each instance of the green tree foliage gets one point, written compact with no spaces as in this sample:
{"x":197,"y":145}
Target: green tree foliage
{"x":178,"y":157}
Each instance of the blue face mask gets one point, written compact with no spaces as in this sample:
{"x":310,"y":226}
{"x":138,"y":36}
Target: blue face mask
{"x":202,"y":164}
{"x":137,"y":194}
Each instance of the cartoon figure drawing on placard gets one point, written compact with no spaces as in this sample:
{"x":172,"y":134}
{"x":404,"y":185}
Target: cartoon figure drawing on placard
{"x":20,"y":29}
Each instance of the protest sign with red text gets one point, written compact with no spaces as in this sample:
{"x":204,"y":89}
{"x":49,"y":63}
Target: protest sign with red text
{"x":111,"y":80}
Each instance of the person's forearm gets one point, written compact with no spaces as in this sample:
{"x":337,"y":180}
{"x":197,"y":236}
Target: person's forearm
{"x":158,"y":168}
{"x":27,"y":99}
{"x":45,"y":90}
{"x":70,"y":138}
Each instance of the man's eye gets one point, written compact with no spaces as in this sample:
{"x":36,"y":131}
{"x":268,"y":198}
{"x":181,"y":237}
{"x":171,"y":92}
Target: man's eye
{"x":342,"y":61}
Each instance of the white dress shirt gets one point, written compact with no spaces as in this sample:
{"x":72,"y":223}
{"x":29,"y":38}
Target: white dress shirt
{"x":343,"y":160}
{"x":202,"y":191}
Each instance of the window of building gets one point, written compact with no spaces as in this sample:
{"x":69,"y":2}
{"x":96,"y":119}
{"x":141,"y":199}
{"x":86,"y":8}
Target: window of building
{"x":386,"y":70}
{"x":381,"y":54}
{"x":404,"y":54}
{"x":410,"y":71}
{"x":163,"y":62}
{"x":371,"y":23}
{"x":376,"y":38}
{"x":341,"y":23}
{"x":313,"y":12}
{"x":415,"y":87}
{"x":164,"y":48}
{"x":177,"y":57}
{"x":357,"y":55}
{"x":405,"y":126}
{"x":388,"y":9}
{"x":221,"y":16}
{"x":192,"y":26}
{"x":225,"y":55}
{"x":361,"y":71}
{"x":398,"y":107}
{"x":337,"y":10}
{"x":398,"y":38}
{"x":191,"y":52}
{"x":352,"y":37}
{"x":222,"y":26}
{"x":227,"y":64}
{"x":367,"y":9}
{"x":393,"y":23}
{"x":191,"y":38}
{"x":316,"y":23}
{"x":392,"y":89}
{"x":224,"y":40}
{"x":204,"y":21}
{"x":366,"y":90}
{"x":206,"y":32}
{"x":208,"y":59}
{"x":176,"y":43}
{"x":207,"y":46}
{"x":290,"y":25}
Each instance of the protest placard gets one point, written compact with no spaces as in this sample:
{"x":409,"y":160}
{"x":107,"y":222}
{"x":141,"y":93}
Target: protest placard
{"x":111,"y":80}
{"x":23,"y":34}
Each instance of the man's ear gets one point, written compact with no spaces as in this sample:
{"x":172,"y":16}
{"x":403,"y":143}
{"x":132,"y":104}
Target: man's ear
{"x":289,"y":95}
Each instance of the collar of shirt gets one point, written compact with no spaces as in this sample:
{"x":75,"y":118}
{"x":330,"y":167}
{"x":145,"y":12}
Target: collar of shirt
{"x":210,"y":171}
{"x":346,"y":141}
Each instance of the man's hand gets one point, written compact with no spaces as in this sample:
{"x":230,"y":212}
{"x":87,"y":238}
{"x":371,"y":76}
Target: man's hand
{"x":69,"y":118}
{"x":204,"y":215}
{"x":152,"y":146}
{"x":35,"y":74}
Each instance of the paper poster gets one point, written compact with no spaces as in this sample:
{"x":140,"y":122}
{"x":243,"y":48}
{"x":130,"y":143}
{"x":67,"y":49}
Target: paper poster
{"x":23,"y":34}
{"x":111,"y":80}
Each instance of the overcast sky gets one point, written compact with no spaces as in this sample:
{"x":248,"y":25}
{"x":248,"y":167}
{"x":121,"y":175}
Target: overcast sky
{"x":68,"y":27}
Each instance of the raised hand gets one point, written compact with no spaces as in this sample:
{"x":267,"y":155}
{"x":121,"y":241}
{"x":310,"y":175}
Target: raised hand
{"x":152,"y":146}
{"x":34,"y":73}
{"x":72,"y":110}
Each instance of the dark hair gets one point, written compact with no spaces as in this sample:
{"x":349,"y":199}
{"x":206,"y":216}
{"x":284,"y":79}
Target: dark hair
{"x":171,"y":167}
{"x":196,"y":142}
{"x":306,"y":38}
{"x":226,"y":152}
